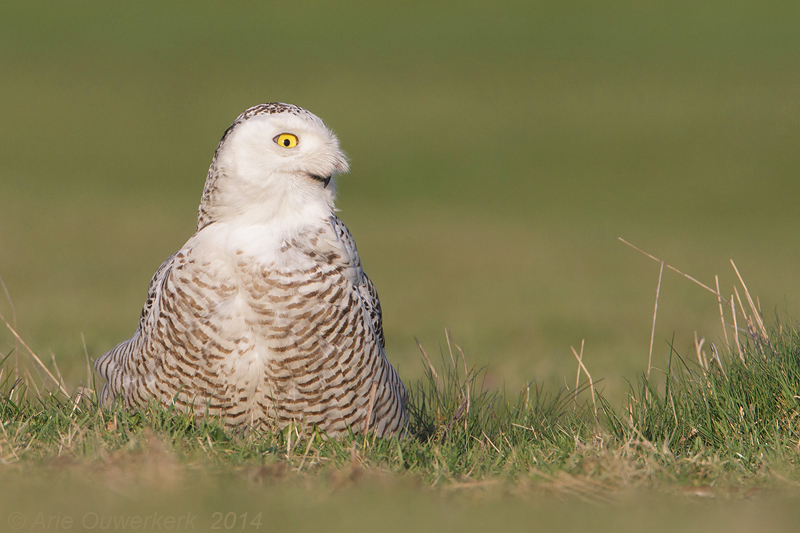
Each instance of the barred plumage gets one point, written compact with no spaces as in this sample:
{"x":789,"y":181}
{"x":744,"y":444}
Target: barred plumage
{"x":265,"y":316}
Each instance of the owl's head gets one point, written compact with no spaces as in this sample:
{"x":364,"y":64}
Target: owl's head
{"x":275,"y":161}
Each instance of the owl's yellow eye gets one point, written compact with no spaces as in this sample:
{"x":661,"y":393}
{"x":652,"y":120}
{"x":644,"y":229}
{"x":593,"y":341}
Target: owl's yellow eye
{"x":287,"y":140}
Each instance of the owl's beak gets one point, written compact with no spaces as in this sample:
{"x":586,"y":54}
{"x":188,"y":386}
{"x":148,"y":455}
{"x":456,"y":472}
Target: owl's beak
{"x":325,"y":181}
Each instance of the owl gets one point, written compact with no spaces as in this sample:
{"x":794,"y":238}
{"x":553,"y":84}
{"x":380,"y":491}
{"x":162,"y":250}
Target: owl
{"x":265,"y":318}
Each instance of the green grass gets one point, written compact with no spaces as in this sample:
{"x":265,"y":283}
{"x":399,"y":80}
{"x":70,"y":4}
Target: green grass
{"x":729,"y":432}
{"x":737,"y":413}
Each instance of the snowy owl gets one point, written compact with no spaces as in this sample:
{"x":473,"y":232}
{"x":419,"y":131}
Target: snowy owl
{"x":265,"y":317}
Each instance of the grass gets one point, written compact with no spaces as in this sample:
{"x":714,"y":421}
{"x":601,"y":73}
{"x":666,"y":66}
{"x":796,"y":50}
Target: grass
{"x":721,"y":424}
{"x":727,"y":434}
{"x":728,"y":420}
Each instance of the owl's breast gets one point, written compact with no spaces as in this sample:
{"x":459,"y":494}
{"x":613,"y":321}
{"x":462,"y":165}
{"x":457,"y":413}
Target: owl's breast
{"x":274,"y":292}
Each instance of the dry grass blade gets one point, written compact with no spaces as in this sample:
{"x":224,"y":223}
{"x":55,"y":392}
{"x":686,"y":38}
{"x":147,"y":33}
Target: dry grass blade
{"x":35,"y":357}
{"x":701,"y":356}
{"x":736,"y":330}
{"x":579,"y":357}
{"x":430,"y":365}
{"x":58,"y":371}
{"x":756,"y":311}
{"x":655,"y":313}
{"x":10,"y":302}
{"x":88,"y":363}
{"x":746,"y":317}
{"x":466,"y":389}
{"x":755,"y":323}
{"x":578,"y":376}
{"x":449,"y":348}
{"x":685,"y":275}
{"x":485,"y":436}
{"x":722,"y":314}
{"x":308,"y":448}
{"x":715,"y":357}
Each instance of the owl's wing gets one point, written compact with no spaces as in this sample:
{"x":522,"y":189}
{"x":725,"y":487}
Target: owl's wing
{"x":114,"y":364}
{"x":367,"y":291}
{"x":373,"y":305}
{"x":156,"y":286}
{"x":163,"y":357}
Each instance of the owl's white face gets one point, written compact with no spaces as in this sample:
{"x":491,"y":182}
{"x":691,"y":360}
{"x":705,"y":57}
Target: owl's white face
{"x":278,"y":166}
{"x":284,"y":146}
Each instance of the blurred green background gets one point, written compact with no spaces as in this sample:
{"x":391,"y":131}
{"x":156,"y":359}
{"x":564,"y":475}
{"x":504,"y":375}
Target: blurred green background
{"x":498,"y":150}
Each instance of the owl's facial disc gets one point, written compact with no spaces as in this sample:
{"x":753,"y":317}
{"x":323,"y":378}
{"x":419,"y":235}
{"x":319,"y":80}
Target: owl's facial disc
{"x":278,"y":152}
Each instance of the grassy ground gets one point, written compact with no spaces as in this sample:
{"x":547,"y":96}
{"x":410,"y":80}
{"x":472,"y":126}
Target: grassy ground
{"x":498,"y":151}
{"x":723,"y":428}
